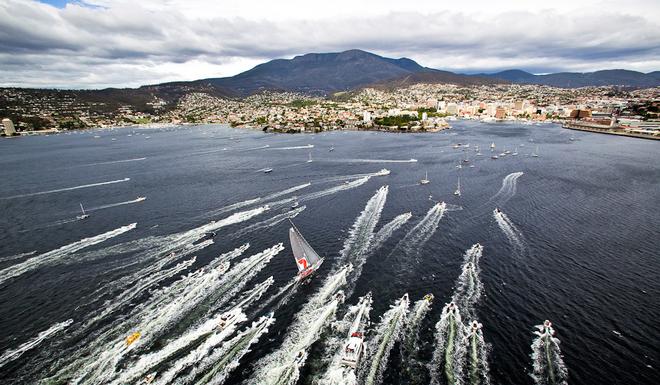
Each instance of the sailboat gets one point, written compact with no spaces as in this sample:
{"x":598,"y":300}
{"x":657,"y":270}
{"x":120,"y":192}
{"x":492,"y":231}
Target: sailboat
{"x":492,"y":146}
{"x":310,"y":158}
{"x":307,"y":260}
{"x":84,"y":215}
{"x":458,"y":188}
{"x":515,"y":152}
{"x":426,"y":179}
{"x":535,"y":154}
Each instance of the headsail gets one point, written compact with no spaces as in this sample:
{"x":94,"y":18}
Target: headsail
{"x":305,"y":256}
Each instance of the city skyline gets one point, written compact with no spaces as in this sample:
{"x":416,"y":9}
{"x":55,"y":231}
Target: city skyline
{"x":103,"y":43}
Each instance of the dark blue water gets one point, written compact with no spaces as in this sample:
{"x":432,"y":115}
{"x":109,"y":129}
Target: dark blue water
{"x":587,"y":209}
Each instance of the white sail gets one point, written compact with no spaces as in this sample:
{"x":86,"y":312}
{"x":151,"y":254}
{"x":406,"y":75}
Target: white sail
{"x":305,"y":256}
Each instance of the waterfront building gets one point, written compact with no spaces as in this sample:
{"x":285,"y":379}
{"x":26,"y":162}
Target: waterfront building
{"x":9,"y":127}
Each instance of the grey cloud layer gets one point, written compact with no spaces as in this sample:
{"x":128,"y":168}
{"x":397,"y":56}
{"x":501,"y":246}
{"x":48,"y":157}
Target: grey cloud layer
{"x":88,"y":47}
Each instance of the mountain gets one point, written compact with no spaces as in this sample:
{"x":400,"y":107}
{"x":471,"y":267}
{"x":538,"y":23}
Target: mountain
{"x":325,"y":73}
{"x":615,"y":77}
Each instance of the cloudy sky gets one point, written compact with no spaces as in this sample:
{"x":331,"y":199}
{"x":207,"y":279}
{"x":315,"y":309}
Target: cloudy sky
{"x":127,"y":43}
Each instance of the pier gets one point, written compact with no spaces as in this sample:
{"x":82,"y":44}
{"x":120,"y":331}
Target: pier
{"x":612,"y":130}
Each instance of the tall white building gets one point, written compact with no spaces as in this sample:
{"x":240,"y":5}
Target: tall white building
{"x":9,"y":126}
{"x":366,"y":117}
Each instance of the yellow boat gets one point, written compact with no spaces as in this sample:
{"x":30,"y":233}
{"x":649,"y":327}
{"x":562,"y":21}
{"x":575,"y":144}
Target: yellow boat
{"x":429,"y":297}
{"x":132,"y":338}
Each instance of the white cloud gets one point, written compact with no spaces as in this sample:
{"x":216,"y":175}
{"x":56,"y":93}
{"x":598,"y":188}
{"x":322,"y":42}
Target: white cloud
{"x":126,"y":43}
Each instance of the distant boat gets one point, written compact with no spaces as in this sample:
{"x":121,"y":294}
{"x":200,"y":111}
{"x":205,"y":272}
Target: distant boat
{"x":84,"y":215}
{"x":515,"y":152}
{"x":140,"y":199}
{"x":307,"y":260}
{"x":492,"y":146}
{"x":331,"y":149}
{"x":353,"y":350}
{"x":494,"y":157}
{"x":295,"y":203}
{"x":149,"y":378}
{"x":267,"y":170}
{"x":458,"y":188}
{"x":310,"y":158}
{"x":535,"y":154}
{"x":425,"y":180}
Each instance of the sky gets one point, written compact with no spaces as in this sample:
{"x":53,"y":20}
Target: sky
{"x":128,"y":43}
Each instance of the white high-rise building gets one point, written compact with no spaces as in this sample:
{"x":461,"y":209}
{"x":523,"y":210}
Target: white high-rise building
{"x":9,"y":126}
{"x":366,"y":117}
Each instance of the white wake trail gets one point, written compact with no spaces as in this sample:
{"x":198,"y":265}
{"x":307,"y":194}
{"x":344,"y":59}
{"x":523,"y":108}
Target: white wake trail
{"x":277,"y":219}
{"x":510,"y":230}
{"x":508,"y":189}
{"x":66,"y":189}
{"x":478,"y":370}
{"x":378,"y":349}
{"x":422,"y":232}
{"x":548,"y":366}
{"x":223,"y":360}
{"x":356,"y":319}
{"x":449,"y":356}
{"x":110,"y":205}
{"x":468,"y":286}
{"x":58,"y":256}
{"x":253,"y":201}
{"x":115,"y":161}
{"x":17,"y":256}
{"x":293,"y":147}
{"x":302,"y":332}
{"x":411,"y":160}
{"x":386,"y":231}
{"x":13,"y":354}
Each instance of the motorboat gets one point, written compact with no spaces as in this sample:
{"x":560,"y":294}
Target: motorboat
{"x":132,"y":338}
{"x":429,"y":298}
{"x":149,"y":378}
{"x":353,"y":350}
{"x":268,"y":170}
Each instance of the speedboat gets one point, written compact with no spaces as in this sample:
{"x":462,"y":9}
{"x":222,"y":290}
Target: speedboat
{"x":267,"y":170}
{"x":331,"y":149}
{"x":140,"y":199}
{"x":299,"y":359}
{"x":149,"y":378}
{"x":429,"y":298}
{"x":132,"y":338}
{"x":353,"y":350}
{"x":494,"y":157}
{"x":307,"y":259}
{"x":497,"y":210}
{"x":295,"y":204}
{"x":227,"y":319}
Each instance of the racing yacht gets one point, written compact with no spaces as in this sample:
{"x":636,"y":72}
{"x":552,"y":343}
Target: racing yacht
{"x":307,"y":260}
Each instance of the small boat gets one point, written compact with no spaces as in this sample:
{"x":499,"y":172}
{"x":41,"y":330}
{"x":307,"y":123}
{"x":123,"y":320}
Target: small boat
{"x":84,"y":215}
{"x":307,"y":260}
{"x":228,"y":319}
{"x":132,"y":338}
{"x":458,"y":188}
{"x":310,"y":158}
{"x":535,"y":154}
{"x":459,"y":166}
{"x":494,"y":157}
{"x":572,"y":139}
{"x":331,"y":149}
{"x":149,"y":378}
{"x":515,"y":152}
{"x":295,"y":204}
{"x":353,"y":350}
{"x":140,"y":199}
{"x":425,"y":180}
{"x":429,"y":298}
{"x":492,"y":146}
{"x":299,"y":359}
{"x":268,"y":170}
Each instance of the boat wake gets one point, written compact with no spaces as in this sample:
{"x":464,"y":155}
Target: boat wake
{"x":356,"y":320}
{"x":66,"y":189}
{"x":253,"y":201}
{"x":214,"y":368}
{"x":293,"y":147}
{"x":382,"y":172}
{"x":414,"y":370}
{"x":277,"y":219}
{"x":547,"y":362}
{"x":508,"y":189}
{"x":411,"y":160}
{"x":477,"y":350}
{"x":422,"y":232}
{"x":388,"y":332}
{"x":469,"y":287}
{"x":137,"y":200}
{"x":60,"y":255}
{"x":115,"y":161}
{"x":282,"y":366}
{"x":13,"y":354}
{"x":450,"y":345}
{"x":17,"y":256}
{"x":515,"y":237}
{"x":386,"y":231}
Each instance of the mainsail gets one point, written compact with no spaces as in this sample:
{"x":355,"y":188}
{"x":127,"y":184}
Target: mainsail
{"x":305,"y":256}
